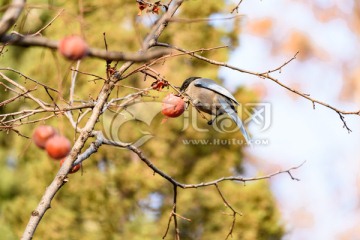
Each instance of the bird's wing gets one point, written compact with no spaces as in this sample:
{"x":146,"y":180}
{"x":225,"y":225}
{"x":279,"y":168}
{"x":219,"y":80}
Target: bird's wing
{"x":213,"y":86}
{"x":225,"y":105}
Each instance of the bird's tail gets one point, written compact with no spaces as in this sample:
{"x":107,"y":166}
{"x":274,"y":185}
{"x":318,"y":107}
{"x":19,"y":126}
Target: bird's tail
{"x":227,"y":107}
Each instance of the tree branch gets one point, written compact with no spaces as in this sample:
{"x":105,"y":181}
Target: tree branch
{"x":237,"y":7}
{"x":142,"y":157}
{"x":59,"y":180}
{"x":231,"y":208}
{"x":48,"y":24}
{"x":177,"y":184}
{"x":29,"y":78}
{"x":86,"y":131}
{"x":39,"y":41}
{"x":196,"y":20}
{"x":265,"y":75}
{"x":11,"y":15}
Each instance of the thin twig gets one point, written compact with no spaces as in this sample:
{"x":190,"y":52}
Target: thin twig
{"x":171,"y":55}
{"x":39,"y":41}
{"x":29,"y":95}
{"x":195,"y":20}
{"x":177,"y":232}
{"x":168,"y":224}
{"x":89,"y":74}
{"x":73,"y":80}
{"x":237,"y":7}
{"x":231,"y":208}
{"x":224,"y":200}
{"x":19,"y":95}
{"x":29,"y":78}
{"x":48,"y":24}
{"x":11,"y":14}
{"x":33,"y":121}
{"x":265,"y":75}
{"x":142,"y":156}
{"x":283,"y":65}
{"x":30,"y":112}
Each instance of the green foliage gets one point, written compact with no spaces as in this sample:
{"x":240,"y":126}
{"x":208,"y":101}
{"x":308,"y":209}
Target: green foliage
{"x":117,"y":196}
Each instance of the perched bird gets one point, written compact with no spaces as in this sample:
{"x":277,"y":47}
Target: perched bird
{"x":209,"y":97}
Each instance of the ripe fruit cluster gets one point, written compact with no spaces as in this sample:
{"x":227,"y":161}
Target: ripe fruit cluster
{"x":56,"y":146}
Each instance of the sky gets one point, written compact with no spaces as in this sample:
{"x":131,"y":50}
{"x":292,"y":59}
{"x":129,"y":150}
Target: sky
{"x":325,"y":203}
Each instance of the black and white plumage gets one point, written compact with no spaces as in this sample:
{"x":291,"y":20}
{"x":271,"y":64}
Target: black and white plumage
{"x":211,"y":98}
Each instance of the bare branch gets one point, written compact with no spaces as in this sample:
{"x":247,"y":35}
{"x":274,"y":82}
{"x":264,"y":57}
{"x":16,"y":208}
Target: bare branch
{"x":48,"y":24}
{"x":128,"y":99}
{"x":97,"y":77}
{"x":168,"y":225}
{"x":190,"y":20}
{"x":30,"y":40}
{"x":24,"y":90}
{"x":4,"y":125}
{"x":15,"y":97}
{"x":29,"y":112}
{"x":17,"y":132}
{"x":11,"y":15}
{"x":226,"y":202}
{"x":177,"y":184}
{"x":174,"y":216}
{"x":86,"y":131}
{"x":73,"y":80}
{"x":244,"y":180}
{"x":93,"y":148}
{"x":283,"y":65}
{"x":177,"y":232}
{"x":159,"y":27}
{"x":342,"y":118}
{"x":100,"y":139}
{"x":171,"y":55}
{"x":119,"y":56}
{"x":265,"y":75}
{"x":231,"y":208}
{"x":237,"y":7}
{"x":142,"y":156}
{"x":29,"y":78}
{"x":60,"y":178}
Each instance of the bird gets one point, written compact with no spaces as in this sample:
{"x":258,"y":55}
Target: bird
{"x":211,"y":98}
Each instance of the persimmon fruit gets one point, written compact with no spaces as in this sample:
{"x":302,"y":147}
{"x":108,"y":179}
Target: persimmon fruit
{"x":42,"y":134}
{"x":58,"y":147}
{"x":73,"y":47}
{"x":172,"y":106}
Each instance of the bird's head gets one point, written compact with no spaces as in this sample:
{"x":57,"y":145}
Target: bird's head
{"x":187,"y":82}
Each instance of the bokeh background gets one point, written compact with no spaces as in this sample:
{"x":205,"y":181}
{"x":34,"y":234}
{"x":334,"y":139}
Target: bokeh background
{"x":117,"y":197}
{"x":325,"y":203}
